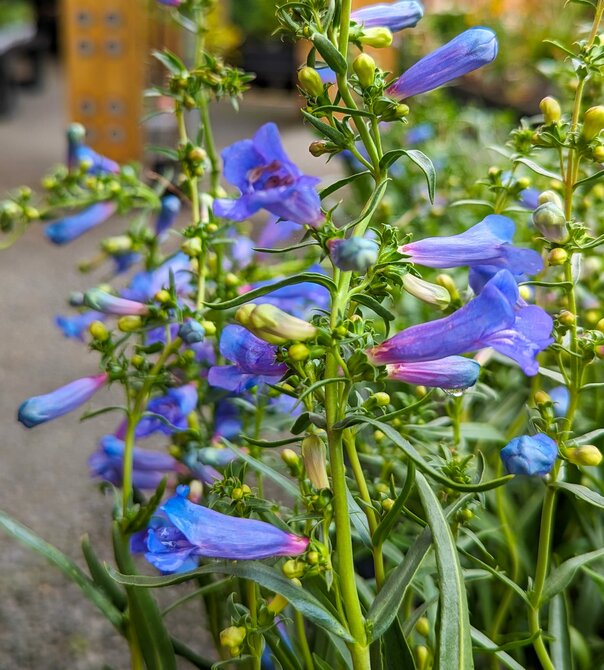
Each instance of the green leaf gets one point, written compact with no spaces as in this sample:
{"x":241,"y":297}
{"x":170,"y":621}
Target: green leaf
{"x":285,"y":250}
{"x":368,"y":301}
{"x":481,"y":640}
{"x":588,"y":180}
{"x":420,"y":159}
{"x":560,"y":577}
{"x":101,"y":577}
{"x":454,"y":644}
{"x":32,"y":541}
{"x":264,"y":469}
{"x":333,"y":134}
{"x":317,"y":385}
{"x":535,"y":167}
{"x":559,"y":629}
{"x":250,"y":296}
{"x":336,"y":186}
{"x":387,"y":523}
{"x":358,"y":519}
{"x":170,"y":61}
{"x":263,"y":575}
{"x":482,"y":431}
{"x":395,"y":649}
{"x":329,"y":53}
{"x":472,"y":203}
{"x":270,"y":444}
{"x":561,"y":46}
{"x":581,"y":492}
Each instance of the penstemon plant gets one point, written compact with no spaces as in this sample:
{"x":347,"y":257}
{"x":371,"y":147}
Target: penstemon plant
{"x":345,"y":485}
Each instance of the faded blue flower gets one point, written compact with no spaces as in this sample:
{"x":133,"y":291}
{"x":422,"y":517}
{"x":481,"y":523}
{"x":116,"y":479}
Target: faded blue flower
{"x":467,"y":52}
{"x":79,"y":154}
{"x":71,"y":227}
{"x":75,"y":325}
{"x":184,"y":531}
{"x":530,"y":455}
{"x":170,"y":209}
{"x":253,"y":361}
{"x":42,"y":408}
{"x":267,"y":179}
{"x":496,"y":318}
{"x":395,"y":15}
{"x":452,"y":372}
{"x":144,"y":285}
{"x":356,"y":254}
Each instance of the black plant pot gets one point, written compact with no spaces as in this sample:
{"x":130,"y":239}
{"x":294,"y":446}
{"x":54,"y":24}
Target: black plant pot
{"x":273,"y":63}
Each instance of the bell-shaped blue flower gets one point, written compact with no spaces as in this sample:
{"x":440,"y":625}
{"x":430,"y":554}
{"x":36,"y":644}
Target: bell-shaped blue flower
{"x":267,"y":179}
{"x":356,"y":254}
{"x":253,"y":361}
{"x":487,"y":243}
{"x":496,"y":318}
{"x":184,"y":531}
{"x":42,"y":408}
{"x":75,"y":325}
{"x":71,"y":227}
{"x":168,"y":213}
{"x":450,"y":373}
{"x":466,"y":52}
{"x":395,"y":15}
{"x":191,"y":332}
{"x":148,"y":467}
{"x":171,"y":410}
{"x":145,"y":285}
{"x":530,"y":455}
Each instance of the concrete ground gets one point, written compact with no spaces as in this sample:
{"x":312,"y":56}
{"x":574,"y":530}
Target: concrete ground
{"x":44,"y":621}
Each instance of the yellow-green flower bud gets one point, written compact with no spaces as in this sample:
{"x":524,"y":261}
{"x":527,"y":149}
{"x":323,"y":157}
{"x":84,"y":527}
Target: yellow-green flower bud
{"x":277,"y":604}
{"x":137,"y":361}
{"x":231,"y":279}
{"x":387,"y":504}
{"x":192,"y":247}
{"x":364,"y":68}
{"x":550,"y":196}
{"x":232,"y":637}
{"x":209,"y":328}
{"x":600,"y":325}
{"x":382,"y":399}
{"x":550,"y":108}
{"x":313,"y":557}
{"x":422,"y":656}
{"x":321,"y":147}
{"x":163,"y":296}
{"x":128,"y":324}
{"x":197,"y":155}
{"x":293,"y":569}
{"x":273,"y":325}
{"x":423,"y":626}
{"x":379,"y":38}
{"x":599,"y":154}
{"x":99,"y":331}
{"x":298,"y":352}
{"x":447,"y":282}
{"x":542,"y":399}
{"x":116,"y":245}
{"x":585,"y":455}
{"x":557,"y":256}
{"x":593,"y":122}
{"x":310,"y":81}
{"x":433,"y":294}
{"x":314,"y":455}
{"x":550,"y":221}
{"x":290,"y":458}
{"x":567,"y":318}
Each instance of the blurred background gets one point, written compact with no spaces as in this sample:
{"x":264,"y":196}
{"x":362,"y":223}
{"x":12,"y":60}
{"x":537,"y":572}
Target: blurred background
{"x":88,"y":61}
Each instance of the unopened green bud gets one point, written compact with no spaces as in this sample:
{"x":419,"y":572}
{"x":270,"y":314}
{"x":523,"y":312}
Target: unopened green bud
{"x":423,"y":626}
{"x":99,"y":331}
{"x":117,"y":245}
{"x":273,"y":325}
{"x":137,"y":361}
{"x":378,"y":435}
{"x":432,"y":294}
{"x":364,"y":68}
{"x":192,"y":247}
{"x":163,"y":296}
{"x":593,"y":122}
{"x":310,"y":81}
{"x":314,"y":455}
{"x":197,"y":155}
{"x":447,"y":282}
{"x":599,"y":154}
{"x":557,"y":256}
{"x":567,"y":318}
{"x":293,"y":569}
{"x":382,"y":399}
{"x":128,"y":324}
{"x":550,"y":221}
{"x":231,"y":279}
{"x":387,"y":504}
{"x":209,"y":328}
{"x":550,"y":196}
{"x":321,"y":147}
{"x":542,"y":399}
{"x":585,"y":455}
{"x":237,"y":493}
{"x":233,"y":636}
{"x":422,"y":656}
{"x":378,"y":38}
{"x":298,"y":352}
{"x":550,"y":108}
{"x":277,"y":604}
{"x":290,"y":458}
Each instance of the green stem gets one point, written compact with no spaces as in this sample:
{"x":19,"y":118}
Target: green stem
{"x":252,"y":603}
{"x":303,"y":641}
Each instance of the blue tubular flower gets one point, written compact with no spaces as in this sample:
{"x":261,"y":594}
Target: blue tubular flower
{"x":254,"y":361}
{"x":42,"y":408}
{"x":145,"y":285}
{"x":497,"y":318}
{"x":74,"y":326}
{"x":452,"y":372}
{"x":149,"y":467}
{"x":71,"y":227}
{"x":560,"y":396}
{"x":394,"y":16}
{"x":526,"y":455}
{"x":486,"y":243}
{"x":529,"y":198}
{"x":267,"y":179}
{"x":227,"y":421}
{"x":467,"y":52}
{"x":79,"y":154}
{"x":172,"y":408}
{"x":191,"y":332}
{"x":170,"y":209}
{"x":188,"y":531}
{"x":107,"y":303}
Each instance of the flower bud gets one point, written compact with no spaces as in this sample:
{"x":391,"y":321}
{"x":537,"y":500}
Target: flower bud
{"x":423,"y":626}
{"x":129,"y":324}
{"x":432,"y":294}
{"x":232,"y":637}
{"x":379,"y":38}
{"x":277,"y":604}
{"x":584,"y":455}
{"x":290,"y":458}
{"x":192,"y":247}
{"x":599,"y":154}
{"x":393,"y":112}
{"x":293,"y":569}
{"x":364,"y":68}
{"x":542,"y":399}
{"x":550,"y":108}
{"x":530,"y":455}
{"x":191,"y":332}
{"x":310,"y":81}
{"x":105,"y":302}
{"x":321,"y":147}
{"x":273,"y":325}
{"x":550,"y":221}
{"x":447,"y":282}
{"x":314,"y":455}
{"x":557,"y":256}
{"x":567,"y":318}
{"x":117,"y":245}
{"x":593,"y":122}
{"x":163,"y":296}
{"x":387,"y":504}
{"x":209,"y":328}
{"x":298,"y":352}
{"x":356,"y":254}
{"x":99,"y":331}
{"x":550,"y":196}
{"x":422,"y":656}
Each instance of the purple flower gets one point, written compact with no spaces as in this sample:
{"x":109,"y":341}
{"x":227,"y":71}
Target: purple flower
{"x":191,"y":332}
{"x":185,"y":531}
{"x":394,"y":16}
{"x":42,"y":408}
{"x":75,"y":325}
{"x":172,"y":408}
{"x":149,"y":467}
{"x":71,"y":227}
{"x":452,"y":372}
{"x":253,"y":361}
{"x":526,"y":455}
{"x":486,"y":243}
{"x":467,"y":52}
{"x":170,"y":209}
{"x":267,"y":179}
{"x":356,"y":254}
{"x":560,"y":396}
{"x":78,"y":153}
{"x":496,"y":318}
{"x":529,"y":198}
{"x":145,"y":285}
{"x":104,"y":302}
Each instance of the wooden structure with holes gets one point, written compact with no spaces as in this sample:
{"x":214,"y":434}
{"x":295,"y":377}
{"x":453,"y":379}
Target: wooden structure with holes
{"x":105,"y":47}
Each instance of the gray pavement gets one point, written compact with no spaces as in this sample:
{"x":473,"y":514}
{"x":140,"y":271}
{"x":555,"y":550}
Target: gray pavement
{"x":44,"y":622}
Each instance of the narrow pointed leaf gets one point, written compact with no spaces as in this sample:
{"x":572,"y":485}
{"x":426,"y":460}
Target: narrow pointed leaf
{"x":560,"y":577}
{"x":559,"y":627}
{"x":420,"y":159}
{"x":582,"y":492}
{"x":481,"y":640}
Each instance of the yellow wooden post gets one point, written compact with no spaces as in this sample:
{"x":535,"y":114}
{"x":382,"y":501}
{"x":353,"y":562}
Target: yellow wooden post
{"x":105,"y":48}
